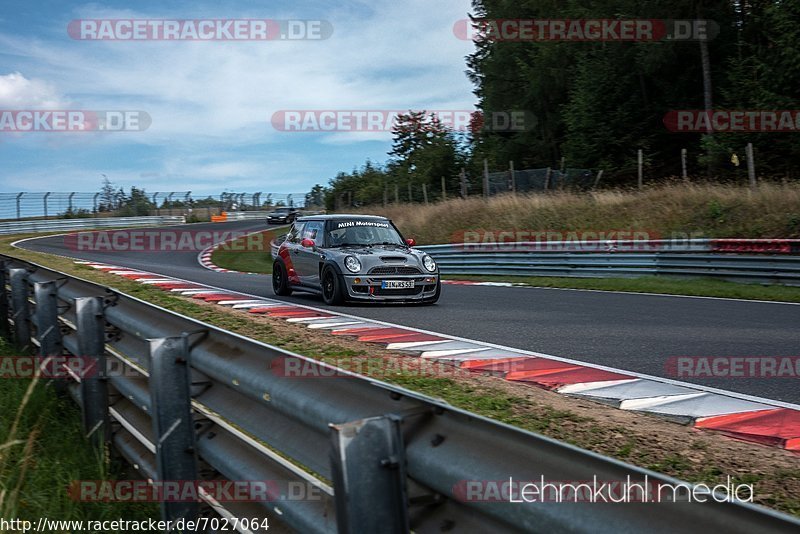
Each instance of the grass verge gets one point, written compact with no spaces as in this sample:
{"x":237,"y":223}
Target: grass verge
{"x":698,"y":287}
{"x":249,"y":254}
{"x":642,"y":440}
{"x":43,"y":450}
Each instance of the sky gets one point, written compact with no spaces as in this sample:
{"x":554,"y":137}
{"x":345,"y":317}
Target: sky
{"x":211,"y":102}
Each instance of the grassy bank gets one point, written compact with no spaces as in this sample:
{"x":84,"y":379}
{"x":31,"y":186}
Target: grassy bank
{"x":249,"y":254}
{"x":43,"y":450}
{"x":771,"y":211}
{"x":699,"y":287}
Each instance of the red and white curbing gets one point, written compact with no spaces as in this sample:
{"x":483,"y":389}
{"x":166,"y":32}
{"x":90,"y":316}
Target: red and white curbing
{"x":737,"y":415}
{"x":204,"y":258}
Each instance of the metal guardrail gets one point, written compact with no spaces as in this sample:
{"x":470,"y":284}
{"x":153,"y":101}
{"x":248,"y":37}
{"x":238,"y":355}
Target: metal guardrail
{"x":736,"y":260}
{"x":694,"y":258}
{"x":195,"y":400}
{"x":55,"y":225}
{"x":260,"y":215}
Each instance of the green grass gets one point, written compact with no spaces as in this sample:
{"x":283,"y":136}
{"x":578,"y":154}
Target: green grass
{"x":702,"y":287}
{"x":43,"y":450}
{"x":250,"y":254}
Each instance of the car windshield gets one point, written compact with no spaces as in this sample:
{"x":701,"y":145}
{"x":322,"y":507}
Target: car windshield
{"x":354,"y":232}
{"x":283,"y":210}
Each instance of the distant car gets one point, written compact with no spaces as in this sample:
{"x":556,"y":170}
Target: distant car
{"x":282,"y":216}
{"x":355,"y":258}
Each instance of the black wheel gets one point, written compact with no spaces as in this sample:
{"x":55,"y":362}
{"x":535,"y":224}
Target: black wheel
{"x":332,"y":288}
{"x":435,"y":297}
{"x":280,"y":280}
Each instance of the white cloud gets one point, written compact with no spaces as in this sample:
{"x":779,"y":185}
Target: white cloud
{"x":18,"y":92}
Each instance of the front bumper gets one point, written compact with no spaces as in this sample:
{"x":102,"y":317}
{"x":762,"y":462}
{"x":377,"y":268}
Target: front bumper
{"x":368,"y":287}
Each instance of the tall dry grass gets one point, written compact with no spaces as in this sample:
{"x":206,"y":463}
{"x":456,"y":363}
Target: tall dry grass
{"x":711,"y":210}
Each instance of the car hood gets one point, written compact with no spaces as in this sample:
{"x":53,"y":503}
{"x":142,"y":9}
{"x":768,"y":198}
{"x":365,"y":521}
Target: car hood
{"x":383,"y":250}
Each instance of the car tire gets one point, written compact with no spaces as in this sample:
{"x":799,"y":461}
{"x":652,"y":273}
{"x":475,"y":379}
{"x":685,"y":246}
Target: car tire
{"x":332,"y":287}
{"x":280,"y":280}
{"x":435,"y":297}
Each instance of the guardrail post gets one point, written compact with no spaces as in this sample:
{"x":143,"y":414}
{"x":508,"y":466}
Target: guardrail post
{"x":173,"y":427}
{"x":21,"y":311}
{"x":90,"y":325}
{"x":369,"y":476}
{"x":47,"y":329}
{"x":5,"y":331}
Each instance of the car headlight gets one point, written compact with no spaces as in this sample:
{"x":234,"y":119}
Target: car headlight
{"x":352,"y":264}
{"x":428,"y":262}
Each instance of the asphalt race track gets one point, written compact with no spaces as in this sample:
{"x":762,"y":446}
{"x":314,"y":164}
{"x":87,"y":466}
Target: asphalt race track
{"x":626,"y":331}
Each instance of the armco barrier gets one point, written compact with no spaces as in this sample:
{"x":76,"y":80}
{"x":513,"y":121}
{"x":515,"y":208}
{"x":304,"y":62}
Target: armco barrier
{"x":57,"y":225}
{"x":736,"y":260}
{"x":197,"y":401}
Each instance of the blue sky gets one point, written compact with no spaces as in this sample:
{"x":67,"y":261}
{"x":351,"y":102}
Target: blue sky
{"x":211,"y":102}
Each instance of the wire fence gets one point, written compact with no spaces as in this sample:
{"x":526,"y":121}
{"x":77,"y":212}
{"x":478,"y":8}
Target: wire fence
{"x":72,"y":204}
{"x":533,"y":180}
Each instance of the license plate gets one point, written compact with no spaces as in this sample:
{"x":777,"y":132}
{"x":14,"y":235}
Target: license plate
{"x":397,"y":284}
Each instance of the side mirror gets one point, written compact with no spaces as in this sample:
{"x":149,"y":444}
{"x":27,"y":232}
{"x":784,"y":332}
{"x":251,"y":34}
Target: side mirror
{"x":411,"y":242}
{"x":308,"y":243}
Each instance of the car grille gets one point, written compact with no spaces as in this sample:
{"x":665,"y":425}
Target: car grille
{"x":394,"y":270}
{"x":407,"y":292}
{"x":393,"y":258}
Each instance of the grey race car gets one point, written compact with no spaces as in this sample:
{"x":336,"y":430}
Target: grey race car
{"x":354,"y":257}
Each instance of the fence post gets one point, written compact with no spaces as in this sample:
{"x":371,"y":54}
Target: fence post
{"x":444,"y":189}
{"x":513,"y":177}
{"x":385,"y":194}
{"x":485,"y":178}
{"x":751,"y":166}
{"x":173,"y":427}
{"x":597,"y":180}
{"x":44,"y":200}
{"x":684,"y":174}
{"x":69,"y":202}
{"x":4,"y":325}
{"x":463,"y":177}
{"x":20,"y":308}
{"x":639,"y":161}
{"x":425,"y":193}
{"x":547,"y":178}
{"x":396,"y":194}
{"x":368,"y":459}
{"x":19,"y":196}
{"x":90,"y":325}
{"x":94,"y":204}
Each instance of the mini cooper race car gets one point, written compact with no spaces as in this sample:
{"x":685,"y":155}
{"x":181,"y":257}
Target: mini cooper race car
{"x":356,"y":258}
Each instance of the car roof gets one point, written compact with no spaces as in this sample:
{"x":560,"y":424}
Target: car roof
{"x":342,"y":216}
